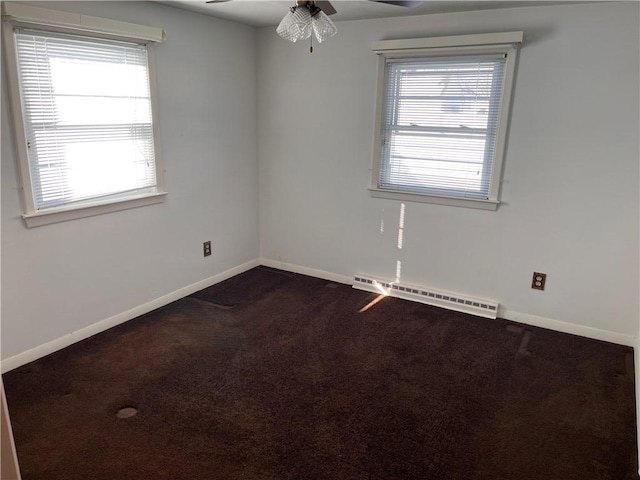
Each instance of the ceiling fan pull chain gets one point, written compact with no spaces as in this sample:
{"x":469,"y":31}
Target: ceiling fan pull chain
{"x":311,"y":44}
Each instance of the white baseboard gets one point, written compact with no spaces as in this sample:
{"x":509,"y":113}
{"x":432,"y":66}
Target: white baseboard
{"x":86,"y":332}
{"x":312,"y":272}
{"x":566,"y":327}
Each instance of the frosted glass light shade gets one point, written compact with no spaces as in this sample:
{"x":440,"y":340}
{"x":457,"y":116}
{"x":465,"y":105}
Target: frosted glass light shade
{"x":296,"y":25}
{"x":299,"y":23}
{"x":323,"y":27}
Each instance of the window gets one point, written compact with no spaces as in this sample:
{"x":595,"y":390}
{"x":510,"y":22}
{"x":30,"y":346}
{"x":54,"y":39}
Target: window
{"x":442,"y":118}
{"x":84,"y":112}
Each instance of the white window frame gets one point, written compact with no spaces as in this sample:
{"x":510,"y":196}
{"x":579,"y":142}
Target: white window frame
{"x":506,"y":43}
{"x":35,"y":18}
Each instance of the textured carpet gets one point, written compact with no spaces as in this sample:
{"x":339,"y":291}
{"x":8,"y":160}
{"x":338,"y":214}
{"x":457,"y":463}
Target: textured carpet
{"x":272,"y":375}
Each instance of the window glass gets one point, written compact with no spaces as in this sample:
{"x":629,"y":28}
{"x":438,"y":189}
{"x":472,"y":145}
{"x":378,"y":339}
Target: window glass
{"x":86,"y":106}
{"x":439,"y":125}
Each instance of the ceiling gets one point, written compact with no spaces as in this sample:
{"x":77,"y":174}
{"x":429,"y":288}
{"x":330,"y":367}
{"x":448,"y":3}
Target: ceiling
{"x":262,"y":13}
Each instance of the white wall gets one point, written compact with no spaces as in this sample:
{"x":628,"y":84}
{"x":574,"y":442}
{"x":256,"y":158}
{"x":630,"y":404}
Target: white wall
{"x":570,"y":193}
{"x":576,"y":104}
{"x":60,"y":278}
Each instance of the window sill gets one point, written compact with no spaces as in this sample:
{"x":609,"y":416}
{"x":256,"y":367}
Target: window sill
{"x":435,"y":199}
{"x":47,"y":217}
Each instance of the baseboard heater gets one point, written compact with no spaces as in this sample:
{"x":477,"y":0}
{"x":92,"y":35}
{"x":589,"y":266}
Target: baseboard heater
{"x":430,"y":296}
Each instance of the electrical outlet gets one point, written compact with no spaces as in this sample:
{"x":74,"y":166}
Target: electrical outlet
{"x":206,"y":247}
{"x":538,"y":281}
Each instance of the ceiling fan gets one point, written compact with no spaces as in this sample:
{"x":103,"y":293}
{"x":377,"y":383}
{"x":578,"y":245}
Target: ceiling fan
{"x":312,"y":16}
{"x":328,"y":9}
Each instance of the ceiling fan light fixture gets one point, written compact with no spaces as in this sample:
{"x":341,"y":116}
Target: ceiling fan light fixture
{"x":302,"y":20}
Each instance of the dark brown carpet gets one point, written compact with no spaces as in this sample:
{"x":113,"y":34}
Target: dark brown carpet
{"x":272,"y":375}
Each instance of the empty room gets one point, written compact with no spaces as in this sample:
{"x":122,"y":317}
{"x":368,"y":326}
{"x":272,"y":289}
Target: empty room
{"x":361,"y":239}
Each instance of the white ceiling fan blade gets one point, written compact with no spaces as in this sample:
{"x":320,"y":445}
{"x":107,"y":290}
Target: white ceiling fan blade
{"x":400,"y":3}
{"x":326,"y":7}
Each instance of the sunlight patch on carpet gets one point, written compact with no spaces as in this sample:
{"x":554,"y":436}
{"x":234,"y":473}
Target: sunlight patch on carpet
{"x":372,"y":303}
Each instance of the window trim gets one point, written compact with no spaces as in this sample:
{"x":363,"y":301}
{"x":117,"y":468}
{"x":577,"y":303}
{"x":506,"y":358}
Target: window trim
{"x":507,"y":43}
{"x":35,"y":18}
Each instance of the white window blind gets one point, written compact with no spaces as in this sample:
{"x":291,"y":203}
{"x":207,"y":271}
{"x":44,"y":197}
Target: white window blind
{"x":439,"y":126}
{"x":87,"y":115}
